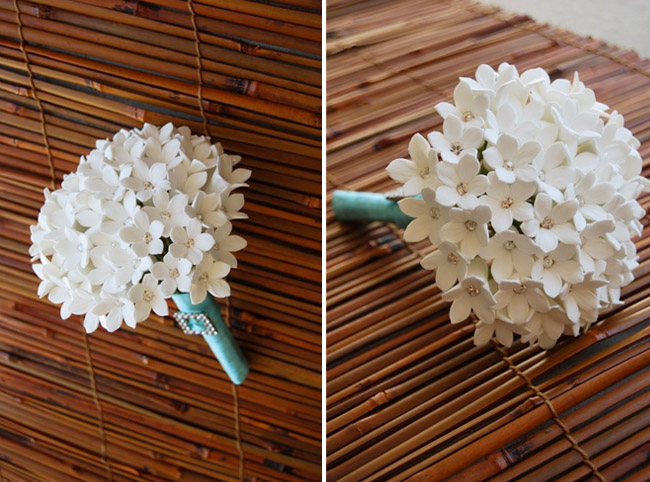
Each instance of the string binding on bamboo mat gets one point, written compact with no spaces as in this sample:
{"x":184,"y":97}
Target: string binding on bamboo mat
{"x":30,"y":78}
{"x":226,"y":301}
{"x":91,"y":371}
{"x":556,"y":418}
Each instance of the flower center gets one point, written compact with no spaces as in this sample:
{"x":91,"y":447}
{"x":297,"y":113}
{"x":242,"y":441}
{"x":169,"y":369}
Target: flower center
{"x":470,"y":225}
{"x":507,"y":202}
{"x":174,"y":273}
{"x":541,"y":176}
{"x":147,"y":295}
{"x":189,"y":243}
{"x":456,"y":148}
{"x":203,"y":277}
{"x":547,"y":262}
{"x":435,"y":213}
{"x":114,"y":244}
{"x":148,"y":185}
{"x":462,"y":188}
{"x":581,"y":202}
{"x":80,"y":247}
{"x":547,"y":223}
{"x":453,"y":258}
{"x":509,"y":245}
{"x":165,"y":214}
{"x":508,"y":166}
{"x":147,"y":237}
{"x":473,"y":291}
{"x":520,"y":290}
{"x":424,"y":172}
{"x":468,"y":116}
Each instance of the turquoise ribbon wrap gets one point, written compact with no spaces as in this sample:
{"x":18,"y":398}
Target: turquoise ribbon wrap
{"x":223,"y":344}
{"x":367,"y":207}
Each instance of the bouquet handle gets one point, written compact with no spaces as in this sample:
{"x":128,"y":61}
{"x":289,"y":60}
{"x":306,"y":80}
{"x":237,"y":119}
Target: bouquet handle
{"x":205,"y":319}
{"x":367,"y":207}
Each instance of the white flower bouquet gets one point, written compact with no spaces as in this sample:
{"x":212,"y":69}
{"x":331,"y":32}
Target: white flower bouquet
{"x":529,"y":193}
{"x":146,"y":216}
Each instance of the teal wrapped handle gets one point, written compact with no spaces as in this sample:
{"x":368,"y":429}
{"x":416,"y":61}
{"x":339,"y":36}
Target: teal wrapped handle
{"x":367,"y":207}
{"x":222,"y":344}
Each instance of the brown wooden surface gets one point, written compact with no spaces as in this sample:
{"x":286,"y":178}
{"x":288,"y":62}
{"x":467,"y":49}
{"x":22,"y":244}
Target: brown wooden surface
{"x":167,"y":408}
{"x":408,"y":395}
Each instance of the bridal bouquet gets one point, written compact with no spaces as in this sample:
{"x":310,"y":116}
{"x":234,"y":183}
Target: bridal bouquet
{"x":147,"y":214}
{"x":529,"y":193}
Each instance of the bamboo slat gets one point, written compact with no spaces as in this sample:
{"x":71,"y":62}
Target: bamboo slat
{"x":154,"y":405}
{"x":408,"y":395}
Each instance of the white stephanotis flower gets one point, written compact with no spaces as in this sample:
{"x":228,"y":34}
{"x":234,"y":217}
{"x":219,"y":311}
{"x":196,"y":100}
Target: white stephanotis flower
{"x":546,"y":328}
{"x":581,"y":299}
{"x":469,"y":106}
{"x":591,"y":197}
{"x":557,"y":267}
{"x":472,"y":293}
{"x":552,"y":224}
{"x":597,"y":244}
{"x":456,"y":140}
{"x":511,"y":161}
{"x":97,"y":236}
{"x":173,"y":273}
{"x":555,"y":171}
{"x":416,"y":173}
{"x":512,"y":255}
{"x":521,"y":299}
{"x":190,"y":242}
{"x":449,"y":264}
{"x":208,"y":277}
{"x":503,"y":330}
{"x":508,"y":202}
{"x":144,"y":236}
{"x":429,"y":216}
{"x":225,"y":244}
{"x":468,"y":229}
{"x":461,"y":183}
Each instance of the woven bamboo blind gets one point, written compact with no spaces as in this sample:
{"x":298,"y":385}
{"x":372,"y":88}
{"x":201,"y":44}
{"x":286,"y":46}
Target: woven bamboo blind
{"x":152,"y":403}
{"x":408,"y":395}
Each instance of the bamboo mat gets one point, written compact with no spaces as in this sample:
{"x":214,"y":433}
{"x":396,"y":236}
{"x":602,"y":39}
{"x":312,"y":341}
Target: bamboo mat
{"x":408,"y":395}
{"x":153,"y":404}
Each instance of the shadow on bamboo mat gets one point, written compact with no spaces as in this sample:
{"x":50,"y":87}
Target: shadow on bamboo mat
{"x":409,"y":397}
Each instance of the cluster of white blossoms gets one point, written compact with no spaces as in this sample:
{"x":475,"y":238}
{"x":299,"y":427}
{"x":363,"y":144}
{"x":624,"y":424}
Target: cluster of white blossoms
{"x":530,"y":195}
{"x":145,"y":215}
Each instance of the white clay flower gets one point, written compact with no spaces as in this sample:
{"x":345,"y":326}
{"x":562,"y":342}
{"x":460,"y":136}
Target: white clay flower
{"x":512,"y":255}
{"x":190,"y":242}
{"x":552,"y":224}
{"x":416,"y":173}
{"x":508,"y":202}
{"x":511,"y":161}
{"x":472,"y":293}
{"x":456,"y":141}
{"x":520,"y":299}
{"x":208,"y":277}
{"x":429,"y":216}
{"x":467,"y":229}
{"x":460,"y":183}
{"x":144,"y":236}
{"x":449,"y":264}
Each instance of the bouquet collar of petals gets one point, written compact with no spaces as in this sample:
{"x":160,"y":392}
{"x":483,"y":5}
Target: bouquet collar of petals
{"x":147,"y":214}
{"x":529,"y":192}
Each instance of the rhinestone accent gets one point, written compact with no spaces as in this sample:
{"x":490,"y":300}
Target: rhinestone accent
{"x":509,"y":245}
{"x":189,"y":243}
{"x":425,"y":172}
{"x":203,"y":277}
{"x":462,"y":188}
{"x":147,"y":295}
{"x":520,"y":290}
{"x":148,"y":185}
{"x":147,"y":237}
{"x":581,"y":202}
{"x":456,"y":148}
{"x":165,"y":215}
{"x":508,"y":166}
{"x":507,"y":203}
{"x":174,"y":273}
{"x":453,"y":258}
{"x":547,"y":223}
{"x":473,"y":291}
{"x":200,"y":318}
{"x":470,"y":225}
{"x":468,"y":116}
{"x":435,"y":213}
{"x":547,"y":262}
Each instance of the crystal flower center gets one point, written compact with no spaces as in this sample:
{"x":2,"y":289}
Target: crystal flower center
{"x":456,"y":148}
{"x":147,"y":295}
{"x":435,"y":213}
{"x":541,"y":176}
{"x":547,"y":262}
{"x":165,"y":215}
{"x":468,"y":116}
{"x":470,"y":225}
{"x":189,"y":243}
{"x":174,"y":273}
{"x":147,"y":237}
{"x":520,"y":290}
{"x":581,"y":202}
{"x":547,"y":223}
{"x":507,"y":202}
{"x":453,"y":258}
{"x":508,"y":166}
{"x":148,"y":185}
{"x":509,"y":245}
{"x":462,"y":188}
{"x":203,"y":277}
{"x":473,"y":291}
{"x":424,"y":172}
